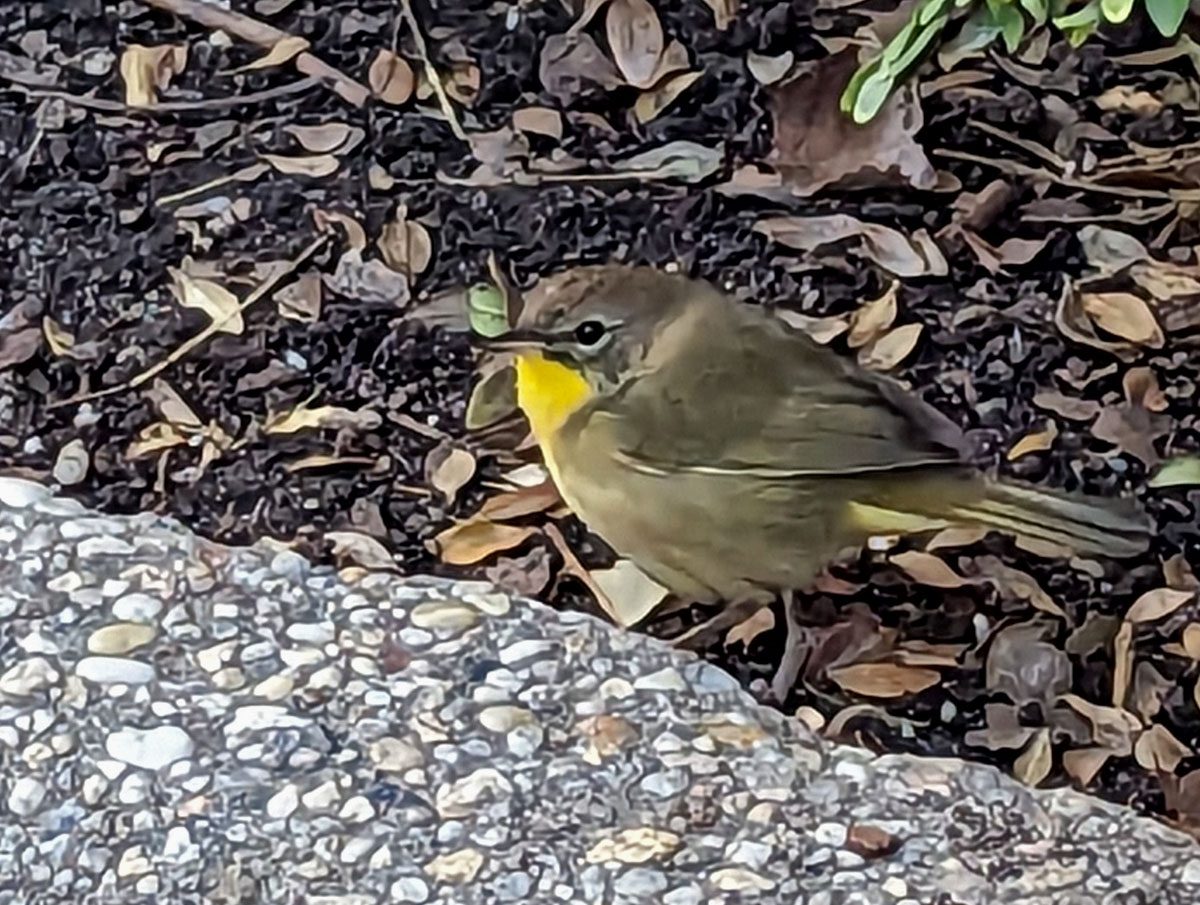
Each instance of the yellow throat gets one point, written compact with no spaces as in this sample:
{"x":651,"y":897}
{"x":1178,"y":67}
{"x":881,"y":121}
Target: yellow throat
{"x":548,"y":393}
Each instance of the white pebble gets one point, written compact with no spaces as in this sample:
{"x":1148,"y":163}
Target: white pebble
{"x":150,"y":749}
{"x":26,"y":796}
{"x":114,"y":670}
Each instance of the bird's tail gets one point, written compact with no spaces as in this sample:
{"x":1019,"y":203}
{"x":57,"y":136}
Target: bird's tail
{"x":1103,"y":526}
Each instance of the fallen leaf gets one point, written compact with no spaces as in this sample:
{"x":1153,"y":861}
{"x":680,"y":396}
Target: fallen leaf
{"x":326,"y":138}
{"x":890,"y":249}
{"x":681,"y":159}
{"x":1191,"y":640}
{"x":316,"y":166}
{"x":1068,"y":406}
{"x":525,"y":576}
{"x":1016,"y":583}
{"x":723,"y":12}
{"x":746,"y":631}
{"x":221,"y":305}
{"x":71,"y":464}
{"x":322,"y":417}
{"x":539,"y":120}
{"x":148,"y":70}
{"x":1177,"y":472}
{"x":362,"y":549}
{"x":884,"y":680}
{"x":405,"y":244}
{"x":1083,"y":764}
{"x":463,"y":82}
{"x":891,"y":348}
{"x":1024,"y":666}
{"x":369,"y":282}
{"x":282,"y":51}
{"x":956,"y":537}
{"x":59,"y":340}
{"x":521,"y":502}
{"x":635,"y":36}
{"x":356,"y":236}
{"x":1125,"y":315}
{"x":448,"y":469}
{"x":872,"y":318}
{"x":1034,"y":763}
{"x":653,"y":102}
{"x":568,"y":61}
{"x":633,"y":594}
{"x":1128,"y":99}
{"x":493,"y":398}
{"x":823,"y":330}
{"x":816,"y":145}
{"x":1154,"y":605}
{"x":1112,"y":727}
{"x":154,"y":438}
{"x":476,"y":539}
{"x":1037,"y":441}
{"x":19,"y":346}
{"x":1122,"y":663}
{"x":768,"y":70}
{"x":1158,"y":750}
{"x":390,"y":78}
{"x":929,"y":570}
{"x":301,"y":300}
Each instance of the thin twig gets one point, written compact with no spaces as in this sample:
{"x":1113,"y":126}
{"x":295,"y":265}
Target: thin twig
{"x":103,"y":105}
{"x":794,"y":653}
{"x":255,"y":32}
{"x":431,"y":72}
{"x":266,"y":287}
{"x":573,"y":566}
{"x":706,"y":632}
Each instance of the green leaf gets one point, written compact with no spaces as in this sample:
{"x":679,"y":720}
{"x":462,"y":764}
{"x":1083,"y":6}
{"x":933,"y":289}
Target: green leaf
{"x":1081,"y":24}
{"x":896,"y":47}
{"x":850,"y":93}
{"x":932,"y":10}
{"x":1167,"y":15}
{"x":1012,"y":26}
{"x":1116,"y":10}
{"x":920,"y":44}
{"x":873,"y":94}
{"x":977,"y":32}
{"x":1037,"y":10}
{"x":1174,"y":472}
{"x":486,"y":310}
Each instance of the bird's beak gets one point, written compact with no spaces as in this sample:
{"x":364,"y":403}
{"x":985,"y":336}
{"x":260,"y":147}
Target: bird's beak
{"x":513,"y":341}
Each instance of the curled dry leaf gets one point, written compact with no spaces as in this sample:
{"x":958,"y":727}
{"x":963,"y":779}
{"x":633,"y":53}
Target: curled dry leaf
{"x":685,"y":160}
{"x":884,"y":680}
{"x":1154,"y":605}
{"x":71,"y":463}
{"x":636,"y":38}
{"x":903,"y":256}
{"x":391,"y":78}
{"x":1038,"y":441}
{"x":872,"y":318}
{"x":1017,"y":584}
{"x":539,"y":120}
{"x":656,"y":100}
{"x":769,"y":70}
{"x":1191,"y":640}
{"x":475,"y":540}
{"x":493,"y":398}
{"x":301,"y":300}
{"x":928,"y":569}
{"x":1122,"y":663}
{"x":356,"y":236}
{"x":448,"y":469}
{"x":326,"y":138}
{"x":1112,"y":727}
{"x":521,"y":502}
{"x":1034,"y":764}
{"x":1158,"y":750}
{"x":723,"y":12}
{"x":1083,"y":764}
{"x":362,"y":549}
{"x":59,"y":340}
{"x":633,"y":594}
{"x":816,"y":145}
{"x":569,"y":61}
{"x":148,"y":70}
{"x":405,"y":244}
{"x":746,"y":631}
{"x":283,"y":51}
{"x":956,"y":537}
{"x":890,"y":349}
{"x":1125,"y":315}
{"x":325,"y":416}
{"x":221,"y":305}
{"x":316,"y":166}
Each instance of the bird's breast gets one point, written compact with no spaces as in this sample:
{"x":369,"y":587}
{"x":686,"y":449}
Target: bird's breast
{"x":549,"y":392}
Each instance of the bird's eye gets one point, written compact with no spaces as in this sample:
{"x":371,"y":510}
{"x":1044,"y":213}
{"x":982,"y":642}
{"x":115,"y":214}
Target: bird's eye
{"x":589,"y":333}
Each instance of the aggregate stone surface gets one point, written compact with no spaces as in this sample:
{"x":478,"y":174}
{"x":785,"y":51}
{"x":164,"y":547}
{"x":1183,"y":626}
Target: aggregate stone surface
{"x":182,"y":722}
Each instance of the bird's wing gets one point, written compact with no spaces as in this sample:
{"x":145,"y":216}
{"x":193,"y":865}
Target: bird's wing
{"x":766,"y":400}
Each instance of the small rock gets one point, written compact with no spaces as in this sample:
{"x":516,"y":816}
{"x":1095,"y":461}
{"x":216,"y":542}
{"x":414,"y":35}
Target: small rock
{"x":894,"y":886}
{"x":25,"y":796}
{"x":640,"y":882}
{"x":283,"y":803}
{"x":445,"y":615}
{"x":17,"y":493}
{"x":461,"y":866}
{"x":71,"y":465}
{"x":114,"y":670}
{"x":831,"y":834}
{"x":27,"y":677}
{"x":150,"y":749}
{"x":98,"y":547}
{"x":504,"y":717}
{"x":665,"y":679}
{"x":137,"y":607}
{"x":526,"y":649}
{"x":120,"y":638}
{"x":410,"y":889}
{"x":323,"y":797}
{"x":393,"y":755}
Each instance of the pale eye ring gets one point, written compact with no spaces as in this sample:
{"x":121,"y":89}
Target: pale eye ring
{"x":590,"y":332}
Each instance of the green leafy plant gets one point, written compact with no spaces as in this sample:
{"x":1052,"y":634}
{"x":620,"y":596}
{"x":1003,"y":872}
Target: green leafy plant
{"x":985,"y":21}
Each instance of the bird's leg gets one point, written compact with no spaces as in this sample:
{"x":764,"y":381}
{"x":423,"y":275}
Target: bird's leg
{"x":699,"y":636}
{"x":794,"y":652}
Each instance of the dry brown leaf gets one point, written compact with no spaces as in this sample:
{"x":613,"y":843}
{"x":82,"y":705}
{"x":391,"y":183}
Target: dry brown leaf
{"x":1035,"y":761}
{"x":723,"y":12}
{"x":1128,"y":99}
{"x":301,"y":300}
{"x":325,"y":416}
{"x":1154,"y":605}
{"x":539,"y":120}
{"x":1158,"y":750}
{"x":172,"y":407}
{"x":816,"y":145}
{"x":823,"y":330}
{"x":1038,"y":441}
{"x":154,"y":438}
{"x":326,"y":138}
{"x":884,"y":680}
{"x":636,"y":38}
{"x":902,"y":255}
{"x":922,"y":653}
{"x":653,"y":102}
{"x":1125,"y":315}
{"x":1083,"y":764}
{"x":59,"y":340}
{"x":929,"y":570}
{"x":568,"y":61}
{"x":1068,"y":406}
{"x":956,"y":537}
{"x":221,"y":305}
{"x":521,"y":502}
{"x":283,"y":51}
{"x":475,"y":540}
{"x":746,"y":631}
{"x":362,"y":549}
{"x":891,"y":348}
{"x":463,"y":82}
{"x":768,"y":70}
{"x":633,"y":594}
{"x":1122,"y":663}
{"x":405,"y":244}
{"x":148,"y":70}
{"x":872,"y":318}
{"x":315,"y":166}
{"x":356,"y":236}
{"x":448,"y":469}
{"x":1191,"y":640}
{"x":1017,"y":584}
{"x":1142,"y":389}
{"x":1112,"y":727}
{"x":391,"y":78}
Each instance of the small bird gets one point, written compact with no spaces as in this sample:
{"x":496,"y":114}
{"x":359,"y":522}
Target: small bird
{"x":731,"y":456}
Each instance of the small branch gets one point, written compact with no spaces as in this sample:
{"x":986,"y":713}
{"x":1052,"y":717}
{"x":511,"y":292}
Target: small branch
{"x":263,"y":289}
{"x":431,"y":72}
{"x":572,"y":566}
{"x":101,"y":105}
{"x":264,"y":35}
